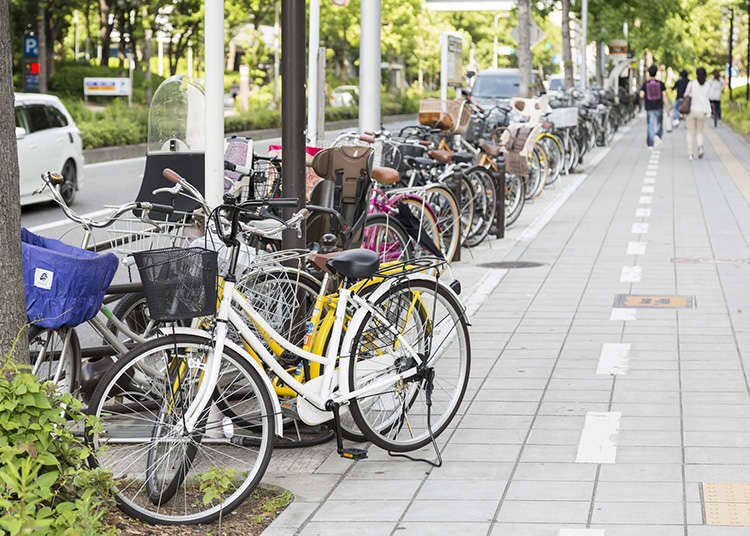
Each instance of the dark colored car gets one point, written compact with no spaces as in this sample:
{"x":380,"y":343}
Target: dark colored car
{"x":502,"y":84}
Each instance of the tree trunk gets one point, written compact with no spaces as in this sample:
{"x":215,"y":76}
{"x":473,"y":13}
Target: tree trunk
{"x":567,"y":55}
{"x":41,"y":25}
{"x":599,"y":64}
{"x":12,"y":302}
{"x":105,"y":31}
{"x":524,"y":45}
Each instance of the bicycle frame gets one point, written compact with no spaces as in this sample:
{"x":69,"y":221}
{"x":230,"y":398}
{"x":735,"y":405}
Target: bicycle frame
{"x":327,"y":390}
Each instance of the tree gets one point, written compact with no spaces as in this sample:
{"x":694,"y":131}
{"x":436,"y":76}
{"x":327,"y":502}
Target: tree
{"x":12,"y":302}
{"x":524,"y":45}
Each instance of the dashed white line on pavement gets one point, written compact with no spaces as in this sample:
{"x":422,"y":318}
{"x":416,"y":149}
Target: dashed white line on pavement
{"x":639,"y":228}
{"x":647,"y":190}
{"x":598,"y":443}
{"x":651,"y":173}
{"x":646,"y":199}
{"x":630,"y":274}
{"x":614,"y":359}
{"x":649,"y":180}
{"x":642,"y":212}
{"x":636,"y":248}
{"x":623,"y":314}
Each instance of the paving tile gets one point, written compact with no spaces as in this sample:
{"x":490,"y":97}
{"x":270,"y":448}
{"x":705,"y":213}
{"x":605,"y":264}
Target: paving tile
{"x":357,"y":511}
{"x":347,"y":529}
{"x":544,"y":511}
{"x":657,"y":513}
{"x":443,"y":489}
{"x":440,"y":529}
{"x":530,"y":529}
{"x":452,"y":511}
{"x":520,"y":490}
{"x":375,"y":490}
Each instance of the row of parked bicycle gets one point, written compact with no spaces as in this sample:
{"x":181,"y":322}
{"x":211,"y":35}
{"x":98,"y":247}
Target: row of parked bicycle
{"x":228,"y":345}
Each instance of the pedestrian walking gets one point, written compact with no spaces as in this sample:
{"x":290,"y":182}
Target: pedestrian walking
{"x":652,"y":92}
{"x":680,"y":86}
{"x":700,"y":107}
{"x":715,"y":87}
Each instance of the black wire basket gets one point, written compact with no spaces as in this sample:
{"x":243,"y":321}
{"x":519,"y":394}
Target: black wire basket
{"x":179,"y":283}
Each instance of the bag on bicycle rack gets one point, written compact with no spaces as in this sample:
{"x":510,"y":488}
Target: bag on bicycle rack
{"x":179,"y":283}
{"x":64,"y":285}
{"x":516,"y":159}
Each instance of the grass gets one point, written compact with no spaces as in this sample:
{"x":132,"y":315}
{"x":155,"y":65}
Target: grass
{"x":737,"y":114}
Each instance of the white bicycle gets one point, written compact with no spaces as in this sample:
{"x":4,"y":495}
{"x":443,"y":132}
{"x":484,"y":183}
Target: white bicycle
{"x":191,"y":442}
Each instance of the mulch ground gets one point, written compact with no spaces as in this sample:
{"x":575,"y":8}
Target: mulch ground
{"x":251,"y":517}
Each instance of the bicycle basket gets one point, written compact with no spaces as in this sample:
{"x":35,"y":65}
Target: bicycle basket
{"x":179,"y":284}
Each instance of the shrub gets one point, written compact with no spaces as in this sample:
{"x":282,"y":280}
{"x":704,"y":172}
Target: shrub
{"x":45,"y":486}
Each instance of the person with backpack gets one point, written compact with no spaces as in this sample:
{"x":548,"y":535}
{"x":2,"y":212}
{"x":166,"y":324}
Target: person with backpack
{"x":700,"y":108}
{"x":652,"y":92}
{"x":680,"y":86}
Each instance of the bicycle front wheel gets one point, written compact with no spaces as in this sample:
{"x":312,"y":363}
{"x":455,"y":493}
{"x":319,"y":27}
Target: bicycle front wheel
{"x":162,"y":473}
{"x":404,"y":414}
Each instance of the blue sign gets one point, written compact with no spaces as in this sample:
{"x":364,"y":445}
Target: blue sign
{"x":30,"y":46}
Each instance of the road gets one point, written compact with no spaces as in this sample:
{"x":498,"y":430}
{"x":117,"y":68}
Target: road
{"x":113,"y":183}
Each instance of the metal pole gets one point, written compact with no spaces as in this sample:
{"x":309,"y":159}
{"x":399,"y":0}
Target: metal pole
{"x":293,"y":106}
{"x":369,"y":66}
{"x":313,"y":91}
{"x":494,"y":42}
{"x":214,"y":69}
{"x":584,"y":38}
{"x":443,"y":68}
{"x":276,"y":55}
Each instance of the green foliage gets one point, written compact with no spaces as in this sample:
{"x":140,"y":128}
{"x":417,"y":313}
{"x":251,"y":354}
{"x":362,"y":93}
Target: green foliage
{"x":215,"y":483}
{"x":278,"y":502}
{"x":737,"y":113}
{"x":45,"y":485}
{"x":68,"y":80}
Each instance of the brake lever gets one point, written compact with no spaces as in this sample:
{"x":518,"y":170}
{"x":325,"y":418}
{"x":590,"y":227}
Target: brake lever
{"x":174,"y":190}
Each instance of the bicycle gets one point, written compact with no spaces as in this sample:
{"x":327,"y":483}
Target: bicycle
{"x":383,"y":367}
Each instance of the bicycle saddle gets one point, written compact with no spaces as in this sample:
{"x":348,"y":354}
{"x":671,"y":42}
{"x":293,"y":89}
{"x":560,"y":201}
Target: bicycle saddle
{"x":462,"y":158}
{"x":385,"y":176}
{"x":354,"y":263}
{"x":438,"y":155}
{"x":491,"y":149}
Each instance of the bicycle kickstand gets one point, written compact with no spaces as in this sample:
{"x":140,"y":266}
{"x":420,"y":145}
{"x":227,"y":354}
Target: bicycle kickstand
{"x":351,"y":453}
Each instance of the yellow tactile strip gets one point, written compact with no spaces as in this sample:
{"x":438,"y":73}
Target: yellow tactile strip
{"x":726,"y":504}
{"x":654,"y":301}
{"x":736,"y":170}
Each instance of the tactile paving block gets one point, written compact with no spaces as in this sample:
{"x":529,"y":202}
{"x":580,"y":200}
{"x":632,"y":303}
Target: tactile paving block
{"x":651,"y":301}
{"x":726,"y":504}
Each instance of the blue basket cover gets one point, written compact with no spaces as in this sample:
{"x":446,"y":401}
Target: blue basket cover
{"x":64,"y":285}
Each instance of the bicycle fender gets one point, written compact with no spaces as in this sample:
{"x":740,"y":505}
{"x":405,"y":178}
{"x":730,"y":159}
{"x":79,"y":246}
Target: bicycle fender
{"x":278,"y":421}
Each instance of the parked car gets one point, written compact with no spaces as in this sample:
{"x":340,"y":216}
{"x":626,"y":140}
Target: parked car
{"x":48,"y":140}
{"x":556,"y":82}
{"x":501,"y":84}
{"x":344,"y":96}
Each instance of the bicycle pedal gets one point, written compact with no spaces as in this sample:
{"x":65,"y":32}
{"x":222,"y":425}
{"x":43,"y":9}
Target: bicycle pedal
{"x":354,"y":454}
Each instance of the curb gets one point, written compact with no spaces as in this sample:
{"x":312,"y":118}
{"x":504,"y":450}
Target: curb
{"x":106,"y":154}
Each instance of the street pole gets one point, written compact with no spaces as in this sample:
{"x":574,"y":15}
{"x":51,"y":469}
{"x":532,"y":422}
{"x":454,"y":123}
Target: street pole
{"x":369,"y":66}
{"x":494,"y":42}
{"x":276,"y":55}
{"x":584,"y":31}
{"x":214,"y":69}
{"x":731,"y":50}
{"x":293,"y":108}
{"x":313,"y":91}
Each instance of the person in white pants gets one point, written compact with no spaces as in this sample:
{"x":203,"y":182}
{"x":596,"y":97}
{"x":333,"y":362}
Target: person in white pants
{"x":700,"y":107}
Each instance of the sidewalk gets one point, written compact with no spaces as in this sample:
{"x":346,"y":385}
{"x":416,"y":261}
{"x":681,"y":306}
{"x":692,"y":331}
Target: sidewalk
{"x":583,"y":418}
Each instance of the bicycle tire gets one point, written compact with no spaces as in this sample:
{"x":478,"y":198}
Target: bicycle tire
{"x":444,"y":203}
{"x":386,"y":432}
{"x":428,"y":223}
{"x":384,"y":235}
{"x":126,"y":386}
{"x":484,"y":206}
{"x":55,"y":356}
{"x":555,"y":152}
{"x":515,"y":198}
{"x":537,"y":174}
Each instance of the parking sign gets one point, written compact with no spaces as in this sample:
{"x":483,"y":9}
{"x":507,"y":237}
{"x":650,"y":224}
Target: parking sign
{"x":30,"y":46}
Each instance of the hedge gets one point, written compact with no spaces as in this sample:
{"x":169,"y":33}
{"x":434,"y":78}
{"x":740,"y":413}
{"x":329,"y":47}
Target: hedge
{"x":68,"y":79}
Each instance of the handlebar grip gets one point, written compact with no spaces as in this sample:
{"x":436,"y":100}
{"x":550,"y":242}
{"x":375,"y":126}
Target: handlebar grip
{"x":367,"y":139}
{"x":368,"y":133}
{"x":281,"y":202}
{"x":165,"y":209}
{"x":171,"y":176}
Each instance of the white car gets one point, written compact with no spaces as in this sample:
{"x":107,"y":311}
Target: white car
{"x":48,"y":140}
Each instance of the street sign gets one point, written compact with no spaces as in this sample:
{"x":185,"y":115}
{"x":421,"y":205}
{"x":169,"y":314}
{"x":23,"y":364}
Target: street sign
{"x":30,"y":46}
{"x":107,"y":87}
{"x":504,"y":50}
{"x":536,"y":34}
{"x":451,"y":63}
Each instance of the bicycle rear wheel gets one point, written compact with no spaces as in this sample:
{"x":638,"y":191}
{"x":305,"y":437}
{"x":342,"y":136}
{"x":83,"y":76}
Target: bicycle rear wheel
{"x":162,"y":473}
{"x":384,"y":235}
{"x":443,"y":202}
{"x":515,"y":198}
{"x":555,"y":153}
{"x":402,"y":415}
{"x":56,"y":357}
{"x":484,"y":205}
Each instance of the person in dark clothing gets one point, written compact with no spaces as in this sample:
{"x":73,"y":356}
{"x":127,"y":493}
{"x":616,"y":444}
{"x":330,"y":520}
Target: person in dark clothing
{"x":680,"y":86}
{"x":652,"y":92}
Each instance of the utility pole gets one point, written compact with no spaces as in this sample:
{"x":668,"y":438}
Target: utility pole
{"x":276,"y":55}
{"x":214,"y":61}
{"x":524,"y":45}
{"x":313,"y":91}
{"x":42,"y":33}
{"x":369,"y":66}
{"x":293,"y":107}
